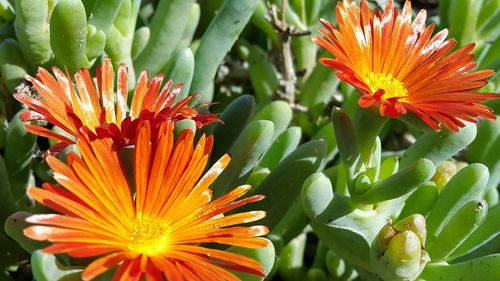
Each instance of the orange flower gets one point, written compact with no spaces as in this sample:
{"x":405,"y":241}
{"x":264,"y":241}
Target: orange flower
{"x":156,"y":232}
{"x":100,"y":109}
{"x":398,"y":65}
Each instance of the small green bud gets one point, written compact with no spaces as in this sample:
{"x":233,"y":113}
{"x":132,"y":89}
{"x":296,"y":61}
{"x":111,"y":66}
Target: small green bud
{"x":362,"y":184}
{"x":414,"y":223}
{"x":397,"y":252}
{"x":404,"y":258}
{"x":444,"y":173}
{"x":403,"y":246}
{"x":382,"y":240}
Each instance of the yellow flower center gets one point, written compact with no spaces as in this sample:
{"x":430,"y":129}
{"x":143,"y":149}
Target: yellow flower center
{"x":393,"y":88}
{"x":148,"y":235}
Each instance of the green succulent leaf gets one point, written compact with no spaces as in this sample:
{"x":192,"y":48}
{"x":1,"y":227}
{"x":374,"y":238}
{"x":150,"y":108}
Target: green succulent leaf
{"x":104,"y":13}
{"x":347,"y":144}
{"x":468,"y":184}
{"x":291,"y":225}
{"x":33,"y":31}
{"x":288,"y":177}
{"x":167,"y":28}
{"x":291,"y":262}
{"x":7,"y":12}
{"x":458,"y":228}
{"x":484,"y":268}
{"x":463,"y":28}
{"x":186,"y":124}
{"x":388,"y":167}
{"x":234,"y":118}
{"x":217,"y":41}
{"x":263,"y":75}
{"x":399,"y":184}
{"x":420,"y":201}
{"x":12,"y":64}
{"x":327,"y":133}
{"x":8,"y":206}
{"x":192,"y":25}
{"x":367,"y":125}
{"x":95,"y":44}
{"x":487,"y":231}
{"x":46,"y":267}
{"x":439,"y":146}
{"x":316,"y":91}
{"x":281,"y":147}
{"x":245,"y":152}
{"x":181,"y":70}
{"x":14,"y":226}
{"x":68,"y":35}
{"x":20,"y":145}
{"x":141,"y":38}
{"x":265,"y":256}
{"x":278,"y":112}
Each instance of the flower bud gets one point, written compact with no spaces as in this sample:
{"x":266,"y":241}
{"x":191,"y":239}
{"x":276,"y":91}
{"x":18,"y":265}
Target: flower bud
{"x":362,"y":184}
{"x":445,"y":172}
{"x":414,"y":223}
{"x":382,"y":240}
{"x":404,"y":258}
{"x":397,"y":252}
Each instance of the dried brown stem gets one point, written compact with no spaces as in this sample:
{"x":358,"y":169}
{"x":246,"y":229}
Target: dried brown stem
{"x":285,"y":33}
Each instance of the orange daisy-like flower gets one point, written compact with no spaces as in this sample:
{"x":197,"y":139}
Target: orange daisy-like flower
{"x":102,"y":111}
{"x":398,"y":65}
{"x":151,"y":228}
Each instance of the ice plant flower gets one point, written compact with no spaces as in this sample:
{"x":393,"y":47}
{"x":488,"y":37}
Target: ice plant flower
{"x":152,"y":228}
{"x":99,"y":108}
{"x":399,"y":66}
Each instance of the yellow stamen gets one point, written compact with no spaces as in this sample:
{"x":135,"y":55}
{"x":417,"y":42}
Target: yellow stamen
{"x":148,"y":236}
{"x":392,"y":87}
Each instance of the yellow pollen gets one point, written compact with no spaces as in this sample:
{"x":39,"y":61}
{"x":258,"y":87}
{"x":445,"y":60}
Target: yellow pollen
{"x":393,"y":88}
{"x":148,"y":235}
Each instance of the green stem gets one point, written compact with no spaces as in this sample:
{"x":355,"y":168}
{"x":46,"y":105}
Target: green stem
{"x":367,"y":126}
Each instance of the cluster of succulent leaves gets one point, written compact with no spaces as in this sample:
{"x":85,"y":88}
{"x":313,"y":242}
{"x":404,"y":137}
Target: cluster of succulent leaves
{"x":346,"y":198}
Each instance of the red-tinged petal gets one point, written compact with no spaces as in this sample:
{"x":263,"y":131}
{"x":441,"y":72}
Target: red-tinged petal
{"x":167,"y":267}
{"x":129,"y":270}
{"x":165,"y":98}
{"x":433,"y":124}
{"x":152,"y":273}
{"x":122,"y":94}
{"x":336,"y":65}
{"x":228,"y":260}
{"x":29,"y":115}
{"x":80,"y":250}
{"x":44,"y":132}
{"x":57,"y":148}
{"x":366,"y":101}
{"x":106,"y":90}
{"x":102,"y":265}
{"x":139,"y":93}
{"x":152,"y":92}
